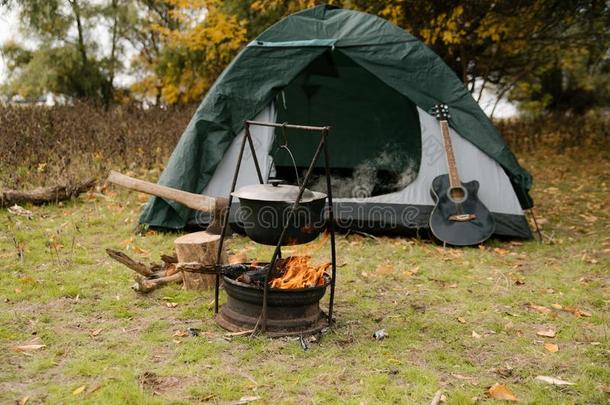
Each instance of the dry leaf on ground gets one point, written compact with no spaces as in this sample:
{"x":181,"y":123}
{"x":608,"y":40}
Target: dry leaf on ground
{"x":501,"y":391}
{"x":550,"y":333}
{"x":385,"y":268}
{"x":246,"y":399}
{"x":539,"y":308}
{"x":79,"y":390}
{"x":476,"y":335}
{"x":28,"y":348}
{"x":551,"y":347}
{"x":501,"y":251}
{"x":552,"y":380}
{"x":577,"y":312}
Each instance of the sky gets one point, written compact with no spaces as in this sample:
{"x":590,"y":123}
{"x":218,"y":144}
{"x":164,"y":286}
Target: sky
{"x":9,"y":29}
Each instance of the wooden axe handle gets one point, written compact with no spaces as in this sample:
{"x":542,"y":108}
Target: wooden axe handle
{"x":197,"y":202}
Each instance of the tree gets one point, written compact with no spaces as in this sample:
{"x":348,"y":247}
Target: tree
{"x":67,"y":58}
{"x":192,"y":42}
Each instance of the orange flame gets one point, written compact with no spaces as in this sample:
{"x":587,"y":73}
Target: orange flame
{"x":297,"y":273}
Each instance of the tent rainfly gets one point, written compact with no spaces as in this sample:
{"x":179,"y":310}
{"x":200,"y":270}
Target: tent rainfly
{"x":374,"y":84}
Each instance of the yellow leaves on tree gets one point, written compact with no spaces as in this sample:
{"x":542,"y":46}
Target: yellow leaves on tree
{"x":200,"y":41}
{"x":291,"y":6}
{"x":447,"y":27}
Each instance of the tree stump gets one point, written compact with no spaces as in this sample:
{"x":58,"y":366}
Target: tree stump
{"x":201,"y":247}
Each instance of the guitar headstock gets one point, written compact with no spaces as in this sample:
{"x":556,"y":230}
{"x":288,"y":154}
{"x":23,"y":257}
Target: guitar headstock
{"x":441,"y":112}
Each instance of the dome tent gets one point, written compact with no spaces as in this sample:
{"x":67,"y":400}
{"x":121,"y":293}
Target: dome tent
{"x":373,"y":83}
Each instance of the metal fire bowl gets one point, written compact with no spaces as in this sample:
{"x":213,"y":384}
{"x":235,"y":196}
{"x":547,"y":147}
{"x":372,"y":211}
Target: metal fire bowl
{"x":290,"y":312}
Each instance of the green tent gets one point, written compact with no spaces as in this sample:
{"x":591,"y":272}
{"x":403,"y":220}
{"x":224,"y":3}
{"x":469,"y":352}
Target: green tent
{"x":368,"y":79}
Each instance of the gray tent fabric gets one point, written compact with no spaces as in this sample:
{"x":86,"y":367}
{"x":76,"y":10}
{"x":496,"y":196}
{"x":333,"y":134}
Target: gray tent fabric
{"x":270,"y":63}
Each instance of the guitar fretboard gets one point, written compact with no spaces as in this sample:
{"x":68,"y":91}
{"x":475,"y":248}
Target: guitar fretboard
{"x":454,"y":178}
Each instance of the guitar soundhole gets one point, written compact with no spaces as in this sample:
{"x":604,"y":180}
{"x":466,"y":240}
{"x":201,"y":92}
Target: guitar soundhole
{"x":457,"y":194}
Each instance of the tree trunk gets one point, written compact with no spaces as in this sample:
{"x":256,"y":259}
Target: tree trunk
{"x":200,"y":247}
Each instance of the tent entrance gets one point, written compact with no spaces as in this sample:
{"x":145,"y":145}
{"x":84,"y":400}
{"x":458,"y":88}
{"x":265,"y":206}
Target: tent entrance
{"x":375,"y":141}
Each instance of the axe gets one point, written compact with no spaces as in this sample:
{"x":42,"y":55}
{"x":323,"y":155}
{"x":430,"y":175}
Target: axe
{"x":199,"y":202}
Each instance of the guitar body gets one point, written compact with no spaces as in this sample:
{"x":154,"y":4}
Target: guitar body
{"x":462,"y":221}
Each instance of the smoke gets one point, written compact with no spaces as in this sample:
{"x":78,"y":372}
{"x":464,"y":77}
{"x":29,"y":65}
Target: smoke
{"x":367,"y":179}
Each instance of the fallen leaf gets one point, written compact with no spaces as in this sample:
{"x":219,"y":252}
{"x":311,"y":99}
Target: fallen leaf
{"x":24,"y":400}
{"x":501,"y":391}
{"x":171,"y":304}
{"x":180,"y":333}
{"x":96,"y":332}
{"x":551,"y":347}
{"x":476,"y":335}
{"x":539,"y":308}
{"x":501,"y":251}
{"x":141,"y":251}
{"x":246,"y":399}
{"x":577,"y":312}
{"x":605,"y":388}
{"x":28,"y":348}
{"x":79,"y":390}
{"x":552,"y":380}
{"x":550,"y":333}
{"x":461,"y":320}
{"x":385,"y":268}
{"x":589,"y":218}
{"x":556,"y":306}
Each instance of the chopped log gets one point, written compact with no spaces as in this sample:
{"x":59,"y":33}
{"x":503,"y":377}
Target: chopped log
{"x":200,"y":247}
{"x":138,"y":267}
{"x":44,"y":195}
{"x":145,"y":285}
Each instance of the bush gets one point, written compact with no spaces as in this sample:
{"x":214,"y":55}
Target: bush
{"x":557,"y":132}
{"x":42,"y":145}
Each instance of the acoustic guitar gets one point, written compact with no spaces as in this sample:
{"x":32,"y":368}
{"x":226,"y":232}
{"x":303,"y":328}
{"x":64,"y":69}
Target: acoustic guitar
{"x":459,"y":218}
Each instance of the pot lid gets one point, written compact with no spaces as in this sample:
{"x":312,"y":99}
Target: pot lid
{"x":276,"y":192}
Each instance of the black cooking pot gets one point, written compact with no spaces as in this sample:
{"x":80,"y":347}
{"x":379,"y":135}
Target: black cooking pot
{"x":264,"y":211}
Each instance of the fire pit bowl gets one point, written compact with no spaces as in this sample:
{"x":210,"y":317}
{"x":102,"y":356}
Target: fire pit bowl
{"x":290,"y":312}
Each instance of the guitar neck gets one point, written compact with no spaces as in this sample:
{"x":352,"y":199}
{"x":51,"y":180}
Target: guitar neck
{"x":454,"y":178}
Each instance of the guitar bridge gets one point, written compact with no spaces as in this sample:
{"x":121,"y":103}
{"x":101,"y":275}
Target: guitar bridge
{"x":462,"y":217}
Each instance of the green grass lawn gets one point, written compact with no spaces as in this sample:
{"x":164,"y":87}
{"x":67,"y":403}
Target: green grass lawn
{"x":457,"y":319}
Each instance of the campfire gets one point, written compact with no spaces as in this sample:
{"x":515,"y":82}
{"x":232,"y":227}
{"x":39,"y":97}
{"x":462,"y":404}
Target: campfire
{"x":290,"y":273}
{"x":296,"y":272}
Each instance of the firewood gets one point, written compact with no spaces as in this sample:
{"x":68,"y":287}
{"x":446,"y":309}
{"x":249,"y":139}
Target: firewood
{"x":44,"y":195}
{"x":122,"y":258}
{"x":144,"y":285}
{"x":167,"y":259}
{"x":200,"y":247}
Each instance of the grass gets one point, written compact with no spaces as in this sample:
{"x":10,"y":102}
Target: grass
{"x":457,"y":319}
